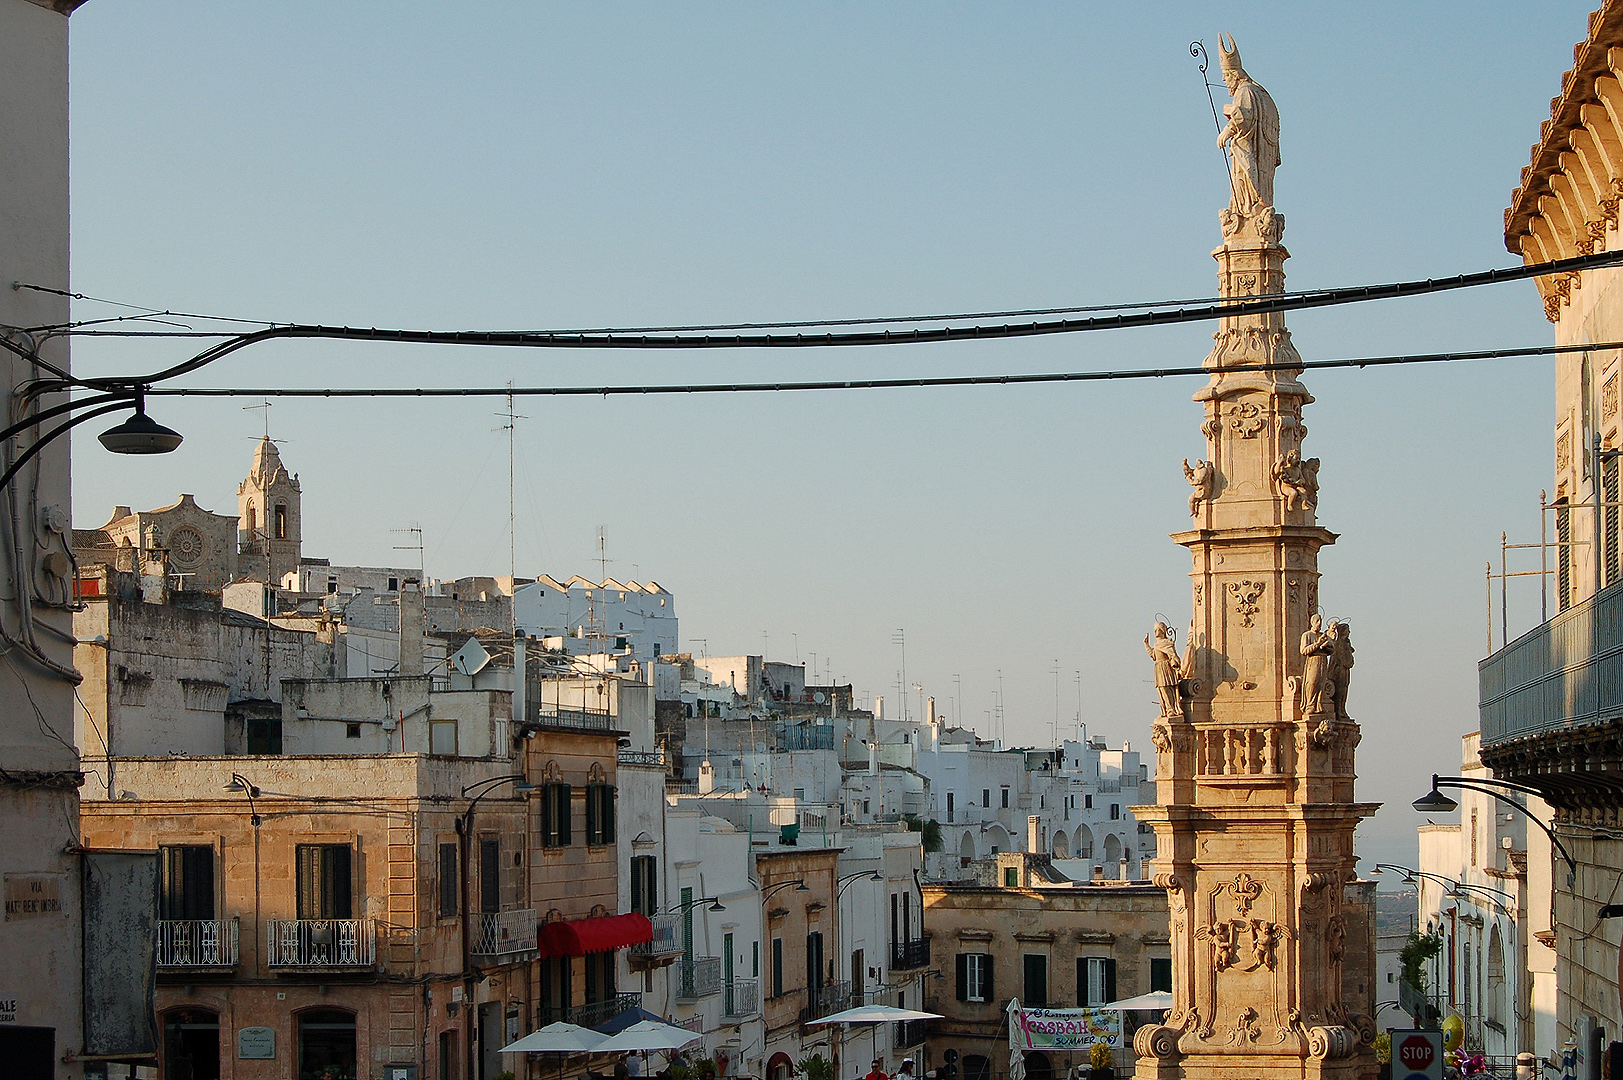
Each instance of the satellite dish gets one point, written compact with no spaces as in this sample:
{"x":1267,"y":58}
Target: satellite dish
{"x":819,"y":697}
{"x":471,"y":658}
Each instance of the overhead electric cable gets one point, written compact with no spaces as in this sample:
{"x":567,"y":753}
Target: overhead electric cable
{"x":1227,"y":308}
{"x":870,"y":384}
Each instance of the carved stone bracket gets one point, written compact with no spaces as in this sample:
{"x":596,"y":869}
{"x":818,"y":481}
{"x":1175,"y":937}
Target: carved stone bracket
{"x":1246,"y":594}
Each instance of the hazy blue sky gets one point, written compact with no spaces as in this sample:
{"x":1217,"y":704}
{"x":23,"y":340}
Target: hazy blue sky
{"x":529,"y":165}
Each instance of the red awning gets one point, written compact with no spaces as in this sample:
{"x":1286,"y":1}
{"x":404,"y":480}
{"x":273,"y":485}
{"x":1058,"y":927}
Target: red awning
{"x":577,"y":937}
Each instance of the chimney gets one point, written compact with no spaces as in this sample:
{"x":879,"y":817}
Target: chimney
{"x":521,"y":685}
{"x":879,"y":707}
{"x":1124,"y":869}
{"x":1098,"y":873}
{"x":707,"y":777}
{"x":929,"y":710}
{"x":1034,"y":834}
{"x":411,"y":628}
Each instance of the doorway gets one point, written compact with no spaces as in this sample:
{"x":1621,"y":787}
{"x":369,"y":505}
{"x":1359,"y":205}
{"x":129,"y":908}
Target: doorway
{"x":191,"y":1045}
{"x":326,"y":1044}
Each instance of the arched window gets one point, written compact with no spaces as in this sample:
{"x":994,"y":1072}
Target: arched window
{"x":191,"y":1044}
{"x":281,"y":521}
{"x":977,"y":1067}
{"x":326,"y":1041}
{"x":1038,"y":1066}
{"x":1084,"y":842}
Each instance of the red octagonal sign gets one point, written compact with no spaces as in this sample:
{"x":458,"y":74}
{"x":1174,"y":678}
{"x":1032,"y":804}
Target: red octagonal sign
{"x":1416,"y":1053}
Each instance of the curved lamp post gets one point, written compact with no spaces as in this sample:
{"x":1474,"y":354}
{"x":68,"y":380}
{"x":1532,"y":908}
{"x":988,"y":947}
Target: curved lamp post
{"x":1435,"y":802}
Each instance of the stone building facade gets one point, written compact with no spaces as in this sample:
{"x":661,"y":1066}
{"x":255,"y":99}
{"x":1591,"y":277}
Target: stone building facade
{"x":1551,"y":707}
{"x":1051,"y":945}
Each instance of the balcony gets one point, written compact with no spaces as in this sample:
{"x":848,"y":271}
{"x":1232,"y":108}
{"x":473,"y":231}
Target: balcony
{"x":909,"y":1033}
{"x":666,"y":943}
{"x":320,"y":943}
{"x":741,"y":997}
{"x":825,"y":1000}
{"x":698,"y":978}
{"x":653,"y":759}
{"x":190,"y":944}
{"x":907,"y":955}
{"x":505,"y":937}
{"x":592,"y":1013}
{"x":580,"y":719}
{"x":1551,"y":702}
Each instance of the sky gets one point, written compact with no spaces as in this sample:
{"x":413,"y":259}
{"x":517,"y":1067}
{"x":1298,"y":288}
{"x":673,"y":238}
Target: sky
{"x":541,"y":166}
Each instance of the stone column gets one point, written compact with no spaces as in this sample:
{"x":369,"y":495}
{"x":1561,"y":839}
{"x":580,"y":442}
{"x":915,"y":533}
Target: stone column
{"x":1255,"y":813}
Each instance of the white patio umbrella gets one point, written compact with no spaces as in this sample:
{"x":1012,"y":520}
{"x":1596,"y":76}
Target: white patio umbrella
{"x":1017,"y":1064}
{"x":647,"y":1035}
{"x":557,"y":1038}
{"x":1155,"y":999}
{"x":874,"y":1014}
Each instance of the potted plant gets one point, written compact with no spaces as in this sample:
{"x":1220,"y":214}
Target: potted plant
{"x":816,"y":1067}
{"x":1102,"y":1061}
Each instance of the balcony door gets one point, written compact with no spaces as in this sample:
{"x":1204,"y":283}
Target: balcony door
{"x":324,"y":881}
{"x":188,"y":882}
{"x":727,"y":972}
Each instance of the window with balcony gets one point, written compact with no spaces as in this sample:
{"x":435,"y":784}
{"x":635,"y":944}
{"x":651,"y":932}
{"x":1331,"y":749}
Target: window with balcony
{"x":555,"y":810}
{"x":814,"y":961}
{"x":188,"y":882}
{"x":975,"y":977}
{"x":490,"y":875}
{"x":450,"y":882}
{"x":324,"y":881}
{"x":645,"y":885}
{"x":599,"y":977}
{"x":599,"y":814}
{"x":1096,"y":979}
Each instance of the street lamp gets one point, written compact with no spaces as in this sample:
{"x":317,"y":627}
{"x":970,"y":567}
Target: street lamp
{"x":140,"y":434}
{"x":1435,"y":802}
{"x":1453,"y":886}
{"x":240,"y":783}
{"x":869,"y":875}
{"x":714,"y":902}
{"x":464,"y":829}
{"x":798,"y":883}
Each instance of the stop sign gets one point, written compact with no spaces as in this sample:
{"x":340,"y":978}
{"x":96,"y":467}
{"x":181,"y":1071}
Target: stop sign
{"x":1416,"y":1053}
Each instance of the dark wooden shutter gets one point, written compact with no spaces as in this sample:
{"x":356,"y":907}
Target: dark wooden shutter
{"x":336,"y":889}
{"x":1036,"y":971}
{"x":1082,"y":982}
{"x":188,"y":882}
{"x":1110,"y":981}
{"x":450,"y":881}
{"x":606,"y":814}
{"x":637,"y":886}
{"x":549,"y":828}
{"x":490,"y":875}
{"x":963,"y":976}
{"x":986,"y":977}
{"x":1161,"y":974}
{"x":777,"y":967}
{"x":594,"y":820}
{"x":308,"y":871}
{"x":566,"y":798}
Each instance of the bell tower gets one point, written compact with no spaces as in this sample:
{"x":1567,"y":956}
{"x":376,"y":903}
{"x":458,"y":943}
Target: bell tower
{"x":268,"y":524}
{"x":1255,"y":815}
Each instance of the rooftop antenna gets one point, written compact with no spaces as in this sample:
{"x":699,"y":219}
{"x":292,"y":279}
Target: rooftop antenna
{"x":414,"y":529}
{"x":265,"y":406}
{"x":603,"y":559}
{"x":899,"y":639}
{"x":511,"y":427}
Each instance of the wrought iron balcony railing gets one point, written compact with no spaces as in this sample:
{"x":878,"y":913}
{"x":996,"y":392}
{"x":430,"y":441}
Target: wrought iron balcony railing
{"x":741,"y":997}
{"x":698,"y":977}
{"x":320,"y":943}
{"x":197,"y":943}
{"x":592,"y":1013}
{"x":906,"y":955}
{"x":667,"y":940}
{"x":505,"y":934}
{"x":825,"y":999}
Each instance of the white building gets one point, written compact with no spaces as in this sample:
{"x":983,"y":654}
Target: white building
{"x":1474,"y":891}
{"x":596,"y":617}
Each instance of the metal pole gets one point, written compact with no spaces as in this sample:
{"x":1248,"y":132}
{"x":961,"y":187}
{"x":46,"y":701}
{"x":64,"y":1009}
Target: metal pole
{"x":1594,"y":480}
{"x":1543,"y":559}
{"x":1487,"y":581}
{"x":1504,"y":616}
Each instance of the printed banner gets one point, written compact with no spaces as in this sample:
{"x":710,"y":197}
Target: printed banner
{"x":1063,"y":1029}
